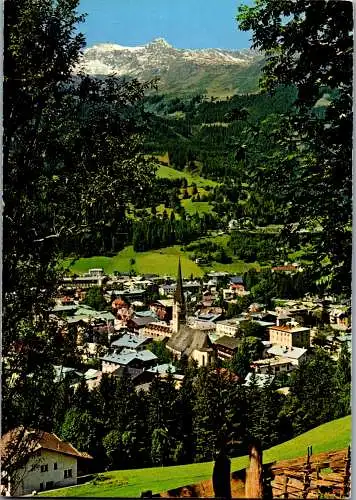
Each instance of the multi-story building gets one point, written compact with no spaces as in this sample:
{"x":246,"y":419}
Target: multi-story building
{"x":226,"y":347}
{"x":273,"y":366}
{"x":128,"y":357}
{"x":157,"y":330}
{"x":290,"y":336}
{"x":294,"y":354}
{"x":228,"y":327}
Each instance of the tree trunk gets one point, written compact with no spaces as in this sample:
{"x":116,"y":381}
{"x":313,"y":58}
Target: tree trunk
{"x":221,"y":476}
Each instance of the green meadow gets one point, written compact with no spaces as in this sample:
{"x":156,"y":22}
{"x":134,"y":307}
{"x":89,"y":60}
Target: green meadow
{"x":161,"y":262}
{"x":172,"y":173}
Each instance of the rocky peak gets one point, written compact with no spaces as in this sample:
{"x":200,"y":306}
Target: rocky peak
{"x":158,"y":43}
{"x":158,"y":57}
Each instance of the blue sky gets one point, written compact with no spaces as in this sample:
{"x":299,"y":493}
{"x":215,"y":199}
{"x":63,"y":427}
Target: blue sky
{"x":183,"y":23}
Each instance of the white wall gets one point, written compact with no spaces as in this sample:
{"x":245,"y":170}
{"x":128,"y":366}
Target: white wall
{"x":31,"y":479}
{"x":203,"y":358}
{"x":224,"y":329}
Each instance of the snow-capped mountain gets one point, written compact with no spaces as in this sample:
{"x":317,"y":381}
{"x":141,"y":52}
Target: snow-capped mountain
{"x":158,"y":55}
{"x":159,"y":58}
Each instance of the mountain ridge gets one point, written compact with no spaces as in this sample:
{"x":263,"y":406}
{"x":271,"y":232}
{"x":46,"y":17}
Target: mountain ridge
{"x":179,"y":70}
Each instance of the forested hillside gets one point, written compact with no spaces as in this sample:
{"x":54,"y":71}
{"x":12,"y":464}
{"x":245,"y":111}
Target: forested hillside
{"x":208,"y":131}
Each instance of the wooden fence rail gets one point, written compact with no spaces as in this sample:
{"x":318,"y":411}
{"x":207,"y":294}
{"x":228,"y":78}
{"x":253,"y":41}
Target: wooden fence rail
{"x":325,"y":474}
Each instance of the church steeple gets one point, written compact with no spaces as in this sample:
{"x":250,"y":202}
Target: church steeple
{"x":178,"y":294}
{"x":179,"y":307}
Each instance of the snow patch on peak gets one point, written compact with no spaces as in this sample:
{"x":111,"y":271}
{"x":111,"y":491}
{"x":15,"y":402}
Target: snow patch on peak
{"x":112,"y":47}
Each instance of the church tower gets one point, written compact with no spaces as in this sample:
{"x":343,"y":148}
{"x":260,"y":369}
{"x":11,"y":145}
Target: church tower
{"x":179,"y":307}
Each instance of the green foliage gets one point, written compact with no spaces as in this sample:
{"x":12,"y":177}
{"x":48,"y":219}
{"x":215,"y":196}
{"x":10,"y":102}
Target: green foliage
{"x":313,"y":397}
{"x":343,"y":382}
{"x":101,"y":397}
{"x":81,"y":399}
{"x":252,"y":329}
{"x":281,"y":285}
{"x":28,"y":390}
{"x":94,"y":298}
{"x":218,"y":414}
{"x":252,"y":247}
{"x":306,"y":153}
{"x":238,"y":306}
{"x":112,"y":443}
{"x":159,"y":348}
{"x":158,"y":233}
{"x":249,"y":349}
{"x":71,"y":163}
{"x":63,"y":403}
{"x":204,"y":428}
{"x":209,"y":250}
{"x":79,"y":429}
{"x":160,"y":446}
{"x":263,"y":408}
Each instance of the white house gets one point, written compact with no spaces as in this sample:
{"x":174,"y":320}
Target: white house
{"x":294,"y":354}
{"x":42,"y":461}
{"x":273,"y":366}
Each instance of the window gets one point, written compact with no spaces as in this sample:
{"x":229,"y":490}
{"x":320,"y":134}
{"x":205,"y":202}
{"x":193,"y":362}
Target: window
{"x":67,"y":473}
{"x":44,"y":468}
{"x":55,"y":467}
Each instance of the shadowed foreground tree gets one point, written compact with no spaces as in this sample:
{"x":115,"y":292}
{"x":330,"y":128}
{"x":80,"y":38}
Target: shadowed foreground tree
{"x":303,"y":160}
{"x":222,"y":476}
{"x":71,"y":163}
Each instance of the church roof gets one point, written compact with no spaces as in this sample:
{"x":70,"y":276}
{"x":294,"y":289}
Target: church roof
{"x":187,"y":339}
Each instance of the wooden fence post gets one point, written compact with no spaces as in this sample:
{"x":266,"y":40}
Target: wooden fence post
{"x":254,"y":473}
{"x":306,"y":481}
{"x":285,"y":487}
{"x":346,"y":481}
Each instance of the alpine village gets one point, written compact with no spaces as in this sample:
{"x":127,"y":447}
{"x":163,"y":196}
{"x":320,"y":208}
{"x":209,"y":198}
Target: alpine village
{"x":176,"y":277}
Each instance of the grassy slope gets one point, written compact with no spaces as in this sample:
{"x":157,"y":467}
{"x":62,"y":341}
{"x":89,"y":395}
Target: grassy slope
{"x":334,"y":435}
{"x":161,"y":262}
{"x":172,"y":173}
{"x":196,"y":206}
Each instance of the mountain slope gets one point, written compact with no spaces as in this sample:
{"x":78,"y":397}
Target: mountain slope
{"x":331,"y":436}
{"x":179,"y":70}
